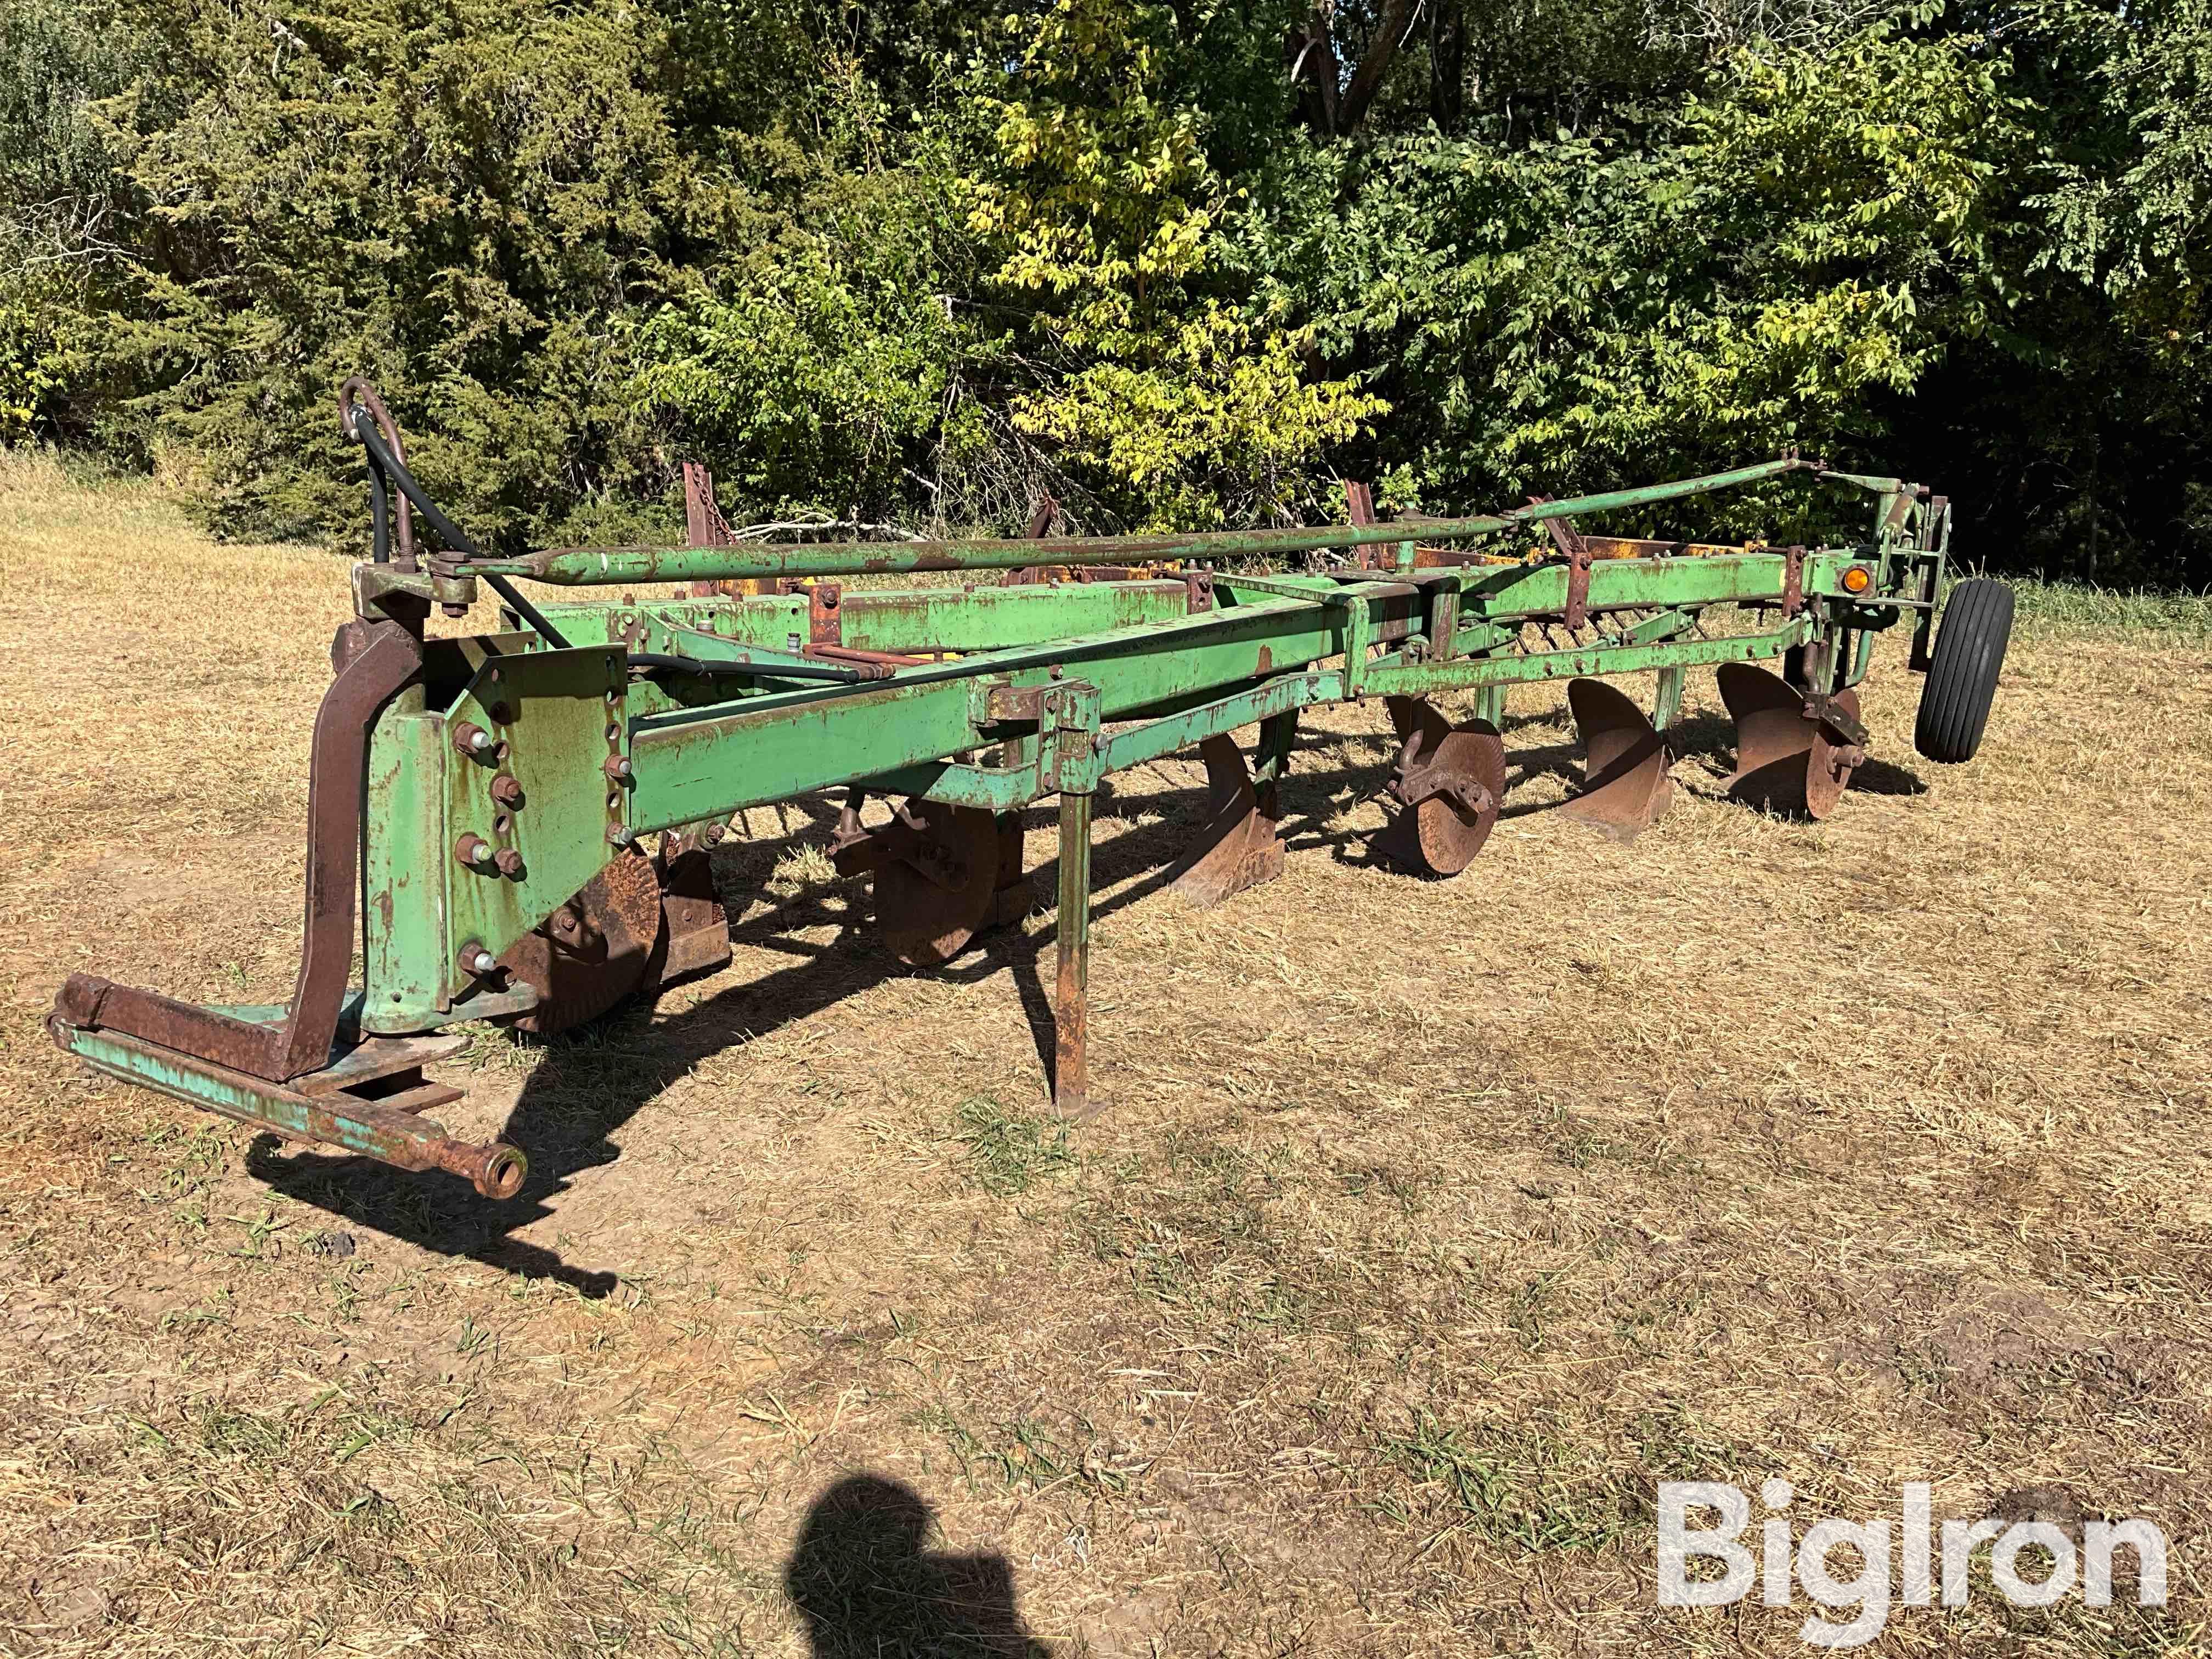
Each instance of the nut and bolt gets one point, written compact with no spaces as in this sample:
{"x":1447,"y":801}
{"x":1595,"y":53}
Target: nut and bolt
{"x":509,"y":862}
{"x":474,"y":959}
{"x":473,"y":850}
{"x":565,"y":922}
{"x":713,"y":834}
{"x":617,"y":766}
{"x":507,"y":789}
{"x":472,"y":740}
{"x":618,"y":834}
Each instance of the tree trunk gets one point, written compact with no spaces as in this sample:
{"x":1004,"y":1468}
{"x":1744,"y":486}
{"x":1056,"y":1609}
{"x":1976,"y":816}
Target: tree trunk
{"x":1447,"y":64}
{"x":1367,"y":79}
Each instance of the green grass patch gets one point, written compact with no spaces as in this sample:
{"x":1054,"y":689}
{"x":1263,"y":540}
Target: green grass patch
{"x":2048,"y":609}
{"x":1007,"y":1152}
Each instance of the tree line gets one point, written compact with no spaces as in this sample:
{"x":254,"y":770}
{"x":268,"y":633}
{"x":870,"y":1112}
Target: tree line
{"x":917,"y":264}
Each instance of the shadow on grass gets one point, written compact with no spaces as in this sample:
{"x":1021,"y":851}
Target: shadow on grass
{"x":589,"y":1083}
{"x":867,"y":1586}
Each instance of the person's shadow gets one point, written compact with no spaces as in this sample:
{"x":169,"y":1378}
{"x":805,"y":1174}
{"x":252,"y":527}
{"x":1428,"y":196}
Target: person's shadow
{"x":863,"y":1582}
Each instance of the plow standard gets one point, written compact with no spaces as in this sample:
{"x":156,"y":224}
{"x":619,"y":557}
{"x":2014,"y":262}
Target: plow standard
{"x":516,"y":827}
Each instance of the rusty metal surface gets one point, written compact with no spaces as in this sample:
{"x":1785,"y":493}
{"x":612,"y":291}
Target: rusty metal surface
{"x":1451,"y":783}
{"x":388,"y":658}
{"x":1786,"y":761}
{"x":378,"y":1058}
{"x":593,"y":951}
{"x":694,"y":928}
{"x":1236,"y":846}
{"x":1626,"y":788}
{"x":377,"y":1118}
{"x":934,"y":888}
{"x":357,"y":387}
{"x":602,"y":566}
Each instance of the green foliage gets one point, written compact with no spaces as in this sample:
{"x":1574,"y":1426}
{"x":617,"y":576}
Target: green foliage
{"x":835,"y":374}
{"x":66,"y":203}
{"x":912,"y":264}
{"x":459,"y":200}
{"x":1177,"y":408}
{"x":1745,"y":271}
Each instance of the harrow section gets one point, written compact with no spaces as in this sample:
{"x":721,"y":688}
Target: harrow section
{"x":530,"y":814}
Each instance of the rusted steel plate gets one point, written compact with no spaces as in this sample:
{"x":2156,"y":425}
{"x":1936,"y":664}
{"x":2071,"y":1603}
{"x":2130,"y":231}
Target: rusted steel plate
{"x":593,"y":951}
{"x":938,"y":888}
{"x":1236,"y":846}
{"x":1626,"y":788}
{"x":1450,"y":782}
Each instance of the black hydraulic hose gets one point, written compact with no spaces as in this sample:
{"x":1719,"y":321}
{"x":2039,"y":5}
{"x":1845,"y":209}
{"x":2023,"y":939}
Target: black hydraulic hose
{"x":449,"y":533}
{"x":380,"y":517}
{"x":779,"y":671}
{"x":529,"y":612}
{"x":358,"y":389}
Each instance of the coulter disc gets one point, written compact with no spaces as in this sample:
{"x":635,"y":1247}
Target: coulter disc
{"x":929,"y":918}
{"x":1236,"y":846}
{"x":1441,"y":832}
{"x":1625,"y":788}
{"x":1784,"y":762}
{"x":592,"y":952}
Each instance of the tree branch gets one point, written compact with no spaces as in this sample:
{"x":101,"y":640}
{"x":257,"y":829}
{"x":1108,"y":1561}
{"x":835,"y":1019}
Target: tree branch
{"x":1367,"y":79}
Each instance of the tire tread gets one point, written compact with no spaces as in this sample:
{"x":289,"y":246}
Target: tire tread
{"x":1962,"y":675}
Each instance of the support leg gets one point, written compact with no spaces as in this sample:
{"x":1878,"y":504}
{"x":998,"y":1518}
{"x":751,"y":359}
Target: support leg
{"x":1071,"y":1001}
{"x":1279,"y":735}
{"x":1489,"y":707}
{"x":1667,"y":702}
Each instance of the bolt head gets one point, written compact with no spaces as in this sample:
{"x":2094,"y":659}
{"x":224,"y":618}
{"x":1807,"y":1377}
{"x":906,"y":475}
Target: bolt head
{"x":507,"y":789}
{"x":509,"y":860}
{"x":482,"y":962}
{"x":618,"y":834}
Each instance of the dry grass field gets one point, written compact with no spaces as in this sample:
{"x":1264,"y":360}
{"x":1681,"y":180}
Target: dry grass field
{"x":1429,"y":1227}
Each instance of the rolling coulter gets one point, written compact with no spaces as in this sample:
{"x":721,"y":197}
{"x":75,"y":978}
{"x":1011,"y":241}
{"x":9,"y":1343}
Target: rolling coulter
{"x":516,"y":827}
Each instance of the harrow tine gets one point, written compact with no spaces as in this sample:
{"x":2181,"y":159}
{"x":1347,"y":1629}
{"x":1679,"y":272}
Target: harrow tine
{"x":1625,"y":788}
{"x":1450,"y":782}
{"x":1236,"y":847}
{"x":1785,"y":762}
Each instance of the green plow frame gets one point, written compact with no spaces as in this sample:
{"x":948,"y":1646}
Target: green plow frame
{"x":517,"y":827}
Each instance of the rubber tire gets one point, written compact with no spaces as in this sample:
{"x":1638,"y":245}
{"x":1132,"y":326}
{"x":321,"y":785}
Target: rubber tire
{"x":1962,"y":671}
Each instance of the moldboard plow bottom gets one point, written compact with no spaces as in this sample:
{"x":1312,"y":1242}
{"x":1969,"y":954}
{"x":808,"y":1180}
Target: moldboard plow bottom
{"x":530,"y":814}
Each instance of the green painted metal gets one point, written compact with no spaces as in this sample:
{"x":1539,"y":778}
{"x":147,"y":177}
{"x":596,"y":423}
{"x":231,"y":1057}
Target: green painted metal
{"x":1667,"y":698}
{"x":404,"y":944}
{"x":1041,"y":689}
{"x":559,"y":718}
{"x":1394,"y":677}
{"x":250,"y":1100}
{"x":612,"y":566}
{"x":1161,"y":737}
